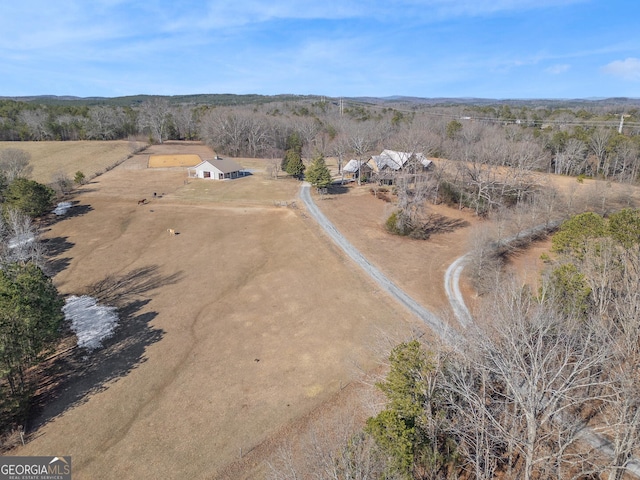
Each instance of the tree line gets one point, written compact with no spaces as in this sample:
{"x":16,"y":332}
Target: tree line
{"x":31,"y":316}
{"x":585,"y":139}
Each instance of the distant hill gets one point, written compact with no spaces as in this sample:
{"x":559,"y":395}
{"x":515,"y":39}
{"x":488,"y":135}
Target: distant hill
{"x":134,"y":100}
{"x":228,"y":99}
{"x":531,"y":102}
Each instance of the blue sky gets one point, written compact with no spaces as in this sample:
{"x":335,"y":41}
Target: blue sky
{"x":425,"y":48}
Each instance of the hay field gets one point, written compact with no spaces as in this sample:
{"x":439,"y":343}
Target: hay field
{"x":232,"y":330}
{"x":89,"y":157}
{"x":175,"y":160}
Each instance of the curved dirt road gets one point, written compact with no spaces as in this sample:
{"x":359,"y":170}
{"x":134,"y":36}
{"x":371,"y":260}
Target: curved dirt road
{"x":452,"y":287}
{"x":437,"y":325}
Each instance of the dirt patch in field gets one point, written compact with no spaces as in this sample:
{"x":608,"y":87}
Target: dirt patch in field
{"x":261,"y":322}
{"x":176,"y":160}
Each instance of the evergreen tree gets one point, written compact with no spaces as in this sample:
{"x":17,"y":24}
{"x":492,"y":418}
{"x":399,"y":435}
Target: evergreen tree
{"x":292,"y":163}
{"x":29,"y":197}
{"x":624,"y":227}
{"x":575,"y":234}
{"x":293,"y":152}
{"x":30,"y":320}
{"x":410,"y":430}
{"x":79,"y":178}
{"x":318,"y":173}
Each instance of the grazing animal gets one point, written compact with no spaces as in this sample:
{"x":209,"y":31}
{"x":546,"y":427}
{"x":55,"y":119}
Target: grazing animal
{"x":142,"y":202}
{"x":171,"y":231}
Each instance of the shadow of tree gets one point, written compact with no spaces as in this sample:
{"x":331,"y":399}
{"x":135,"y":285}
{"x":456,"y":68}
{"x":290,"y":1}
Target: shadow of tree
{"x":337,"y":189}
{"x":440,"y":224}
{"x":53,"y":267}
{"x":76,"y":210}
{"x":434,"y":224}
{"x":57,"y":245}
{"x":71,"y":376}
{"x":114,"y":290}
{"x":54,"y":247}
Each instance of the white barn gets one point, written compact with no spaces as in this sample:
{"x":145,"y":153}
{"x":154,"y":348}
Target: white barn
{"x":217,"y":169}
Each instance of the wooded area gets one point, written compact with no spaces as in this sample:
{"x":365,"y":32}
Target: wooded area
{"x":30,"y":307}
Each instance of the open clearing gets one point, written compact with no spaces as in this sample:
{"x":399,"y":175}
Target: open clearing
{"x":238,"y":326}
{"x":243,"y":327}
{"x":89,"y":157}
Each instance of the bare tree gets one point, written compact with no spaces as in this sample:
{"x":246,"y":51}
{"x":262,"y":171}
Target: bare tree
{"x":14,"y":163}
{"x":155,"y":116}
{"x":336,"y":450}
{"x":598,"y":145}
{"x":20,"y":240}
{"x":226,"y":130}
{"x":105,"y":123}
{"x":547,"y":368}
{"x":184,"y":120}
{"x":61,"y":182}
{"x":36,"y":122}
{"x":570,"y":160}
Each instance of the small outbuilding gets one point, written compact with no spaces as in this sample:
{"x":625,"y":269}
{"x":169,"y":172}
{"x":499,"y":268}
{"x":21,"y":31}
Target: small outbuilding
{"x":218,"y":169}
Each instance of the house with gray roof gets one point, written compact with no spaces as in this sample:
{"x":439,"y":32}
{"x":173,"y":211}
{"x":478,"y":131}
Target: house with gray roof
{"x":389,"y":163}
{"x":217,"y":168}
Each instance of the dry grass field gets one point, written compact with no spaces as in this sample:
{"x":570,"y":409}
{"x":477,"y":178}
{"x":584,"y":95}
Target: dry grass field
{"x":240,"y":330}
{"x":233,"y":329}
{"x":51,"y":158}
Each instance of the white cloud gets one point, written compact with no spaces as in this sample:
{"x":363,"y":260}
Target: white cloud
{"x":558,"y":69}
{"x":627,"y":69}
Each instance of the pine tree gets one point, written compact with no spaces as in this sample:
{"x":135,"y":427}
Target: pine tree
{"x":318,"y":173}
{"x":292,"y":162}
{"x":294,"y":165}
{"x":30,"y":320}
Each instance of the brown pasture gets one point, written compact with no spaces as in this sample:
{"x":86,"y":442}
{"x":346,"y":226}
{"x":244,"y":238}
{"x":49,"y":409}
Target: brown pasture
{"x":232,"y":329}
{"x":51,"y":158}
{"x":239,"y":330}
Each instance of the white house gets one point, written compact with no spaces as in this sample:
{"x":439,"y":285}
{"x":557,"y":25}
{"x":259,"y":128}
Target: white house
{"x":217,"y":169}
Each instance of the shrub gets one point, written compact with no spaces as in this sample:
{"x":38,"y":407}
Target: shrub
{"x":449,"y":194}
{"x":395,"y":225}
{"x":79,"y":178}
